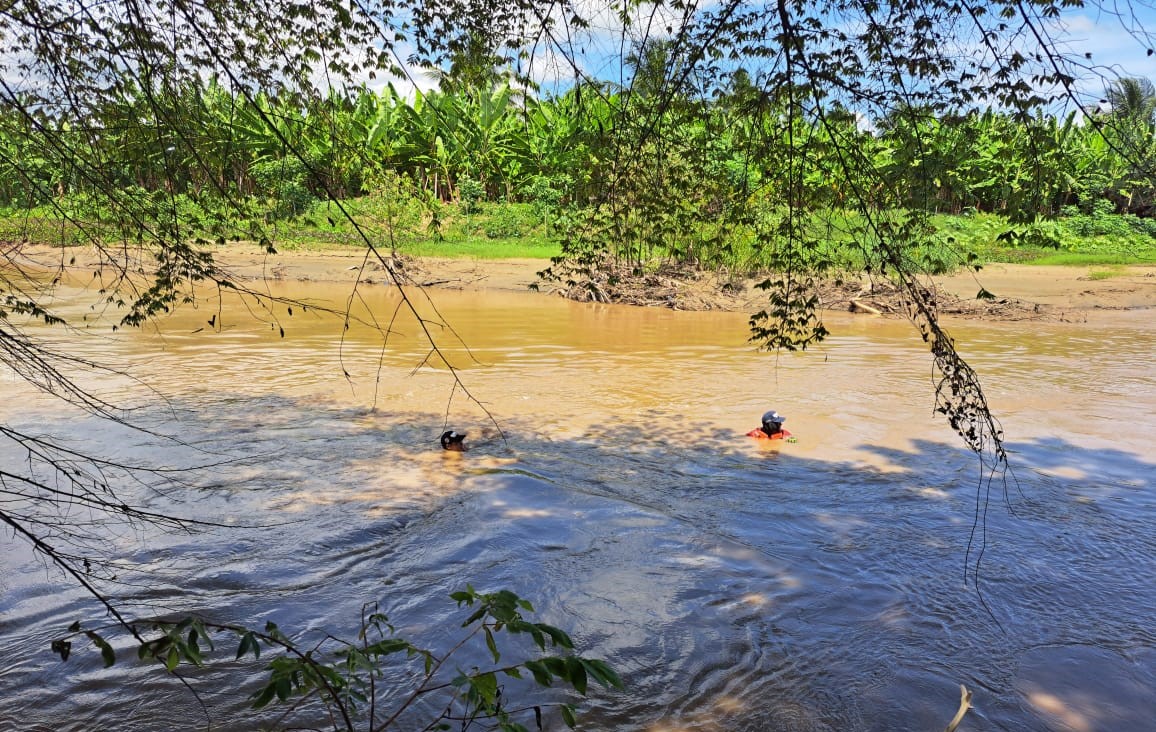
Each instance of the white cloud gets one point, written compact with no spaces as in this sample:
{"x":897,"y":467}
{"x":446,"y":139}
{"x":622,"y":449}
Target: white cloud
{"x":1118,"y":45}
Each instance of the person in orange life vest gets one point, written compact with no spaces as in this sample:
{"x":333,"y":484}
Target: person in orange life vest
{"x":772,"y":428}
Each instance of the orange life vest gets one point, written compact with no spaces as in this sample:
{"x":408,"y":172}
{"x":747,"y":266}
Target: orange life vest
{"x":759,"y":434}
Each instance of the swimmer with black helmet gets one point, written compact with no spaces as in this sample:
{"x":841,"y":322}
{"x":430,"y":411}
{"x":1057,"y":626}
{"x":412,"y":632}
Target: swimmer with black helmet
{"x":772,"y":428}
{"x":453,"y":441}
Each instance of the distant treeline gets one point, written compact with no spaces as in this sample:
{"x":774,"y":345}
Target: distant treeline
{"x":495,"y":143}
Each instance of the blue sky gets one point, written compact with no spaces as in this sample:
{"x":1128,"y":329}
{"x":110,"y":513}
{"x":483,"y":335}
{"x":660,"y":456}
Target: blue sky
{"x":1114,"y":33}
{"x":1118,"y":44}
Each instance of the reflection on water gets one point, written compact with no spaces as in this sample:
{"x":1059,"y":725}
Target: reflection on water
{"x":736,"y":585}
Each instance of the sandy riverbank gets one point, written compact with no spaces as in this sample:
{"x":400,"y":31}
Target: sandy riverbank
{"x":1021,"y":291}
{"x":1055,"y":290}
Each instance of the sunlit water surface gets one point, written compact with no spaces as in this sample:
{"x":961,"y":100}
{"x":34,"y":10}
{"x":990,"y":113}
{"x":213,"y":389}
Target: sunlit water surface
{"x":735,"y":585}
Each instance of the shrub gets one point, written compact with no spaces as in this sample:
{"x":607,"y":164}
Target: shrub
{"x":470,"y":194}
{"x":283,"y":182}
{"x":509,"y":221}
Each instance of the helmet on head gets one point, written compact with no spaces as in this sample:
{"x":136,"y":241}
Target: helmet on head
{"x":773,"y":417}
{"x":452,"y":440}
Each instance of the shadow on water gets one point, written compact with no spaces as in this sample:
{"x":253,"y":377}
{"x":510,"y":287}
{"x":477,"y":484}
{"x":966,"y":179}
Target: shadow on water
{"x":735,"y":584}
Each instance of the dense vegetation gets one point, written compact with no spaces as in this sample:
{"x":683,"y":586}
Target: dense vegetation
{"x":1000,"y":184}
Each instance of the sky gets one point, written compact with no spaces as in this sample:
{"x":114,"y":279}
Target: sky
{"x":1114,"y":33}
{"x":1118,"y":45}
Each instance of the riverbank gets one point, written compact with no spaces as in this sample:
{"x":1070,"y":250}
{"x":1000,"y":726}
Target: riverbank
{"x":1019,"y":291}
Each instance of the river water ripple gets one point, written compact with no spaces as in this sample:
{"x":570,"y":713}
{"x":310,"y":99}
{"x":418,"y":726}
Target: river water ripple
{"x":822,"y":585}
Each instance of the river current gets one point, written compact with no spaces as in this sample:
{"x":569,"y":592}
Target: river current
{"x":734,"y":584}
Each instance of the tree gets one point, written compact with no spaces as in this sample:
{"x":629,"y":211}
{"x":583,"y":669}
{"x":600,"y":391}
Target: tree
{"x":1132,"y":98}
{"x":1130,"y":131}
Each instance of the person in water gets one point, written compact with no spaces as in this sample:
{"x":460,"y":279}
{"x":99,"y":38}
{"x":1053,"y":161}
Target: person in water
{"x":453,"y":441}
{"x":772,"y":428}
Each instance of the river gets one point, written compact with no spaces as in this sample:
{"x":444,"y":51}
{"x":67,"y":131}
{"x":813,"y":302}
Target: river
{"x":734,"y":584}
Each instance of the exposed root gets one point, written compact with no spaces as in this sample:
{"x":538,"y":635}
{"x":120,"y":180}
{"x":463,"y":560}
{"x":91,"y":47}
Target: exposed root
{"x":884,"y":298}
{"x":681,"y":287}
{"x":672,"y":286}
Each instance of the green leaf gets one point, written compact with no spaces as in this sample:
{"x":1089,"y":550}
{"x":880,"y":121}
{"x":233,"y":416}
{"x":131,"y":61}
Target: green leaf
{"x":387,"y":646}
{"x":462,"y":596}
{"x":556,"y":666}
{"x":577,"y":674}
{"x":492,"y":645}
{"x":602,"y":673}
{"x":248,"y":643}
{"x":568,"y":716}
{"x":557,"y":635}
{"x":264,"y":696}
{"x":283,"y":687}
{"x":201,"y":634}
{"x":106,"y":651}
{"x":486,"y":687}
{"x":479,"y":613}
{"x":108,"y":655}
{"x":541,"y":674}
{"x":192,"y":650}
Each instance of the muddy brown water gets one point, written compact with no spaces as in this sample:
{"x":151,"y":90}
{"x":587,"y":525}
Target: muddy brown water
{"x":735,"y":585}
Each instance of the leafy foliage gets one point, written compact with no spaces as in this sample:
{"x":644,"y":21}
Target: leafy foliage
{"x":352,"y":679}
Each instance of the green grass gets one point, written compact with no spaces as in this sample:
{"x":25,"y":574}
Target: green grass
{"x":496,"y":231}
{"x":482,"y":248}
{"x":467,"y":247}
{"x":519,"y":230}
{"x":1091,"y":259}
{"x":1106,"y":274}
{"x":43,"y":229}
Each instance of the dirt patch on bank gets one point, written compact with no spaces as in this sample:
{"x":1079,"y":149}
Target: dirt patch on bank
{"x":1009,"y":292}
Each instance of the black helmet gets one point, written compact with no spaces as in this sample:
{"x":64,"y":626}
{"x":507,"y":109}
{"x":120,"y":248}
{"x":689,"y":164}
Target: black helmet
{"x":773,"y":417}
{"x":452,"y":440}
